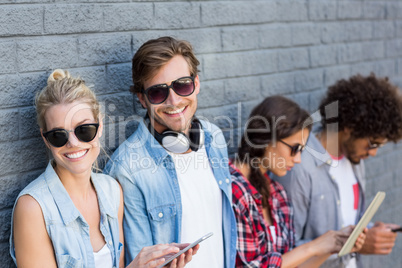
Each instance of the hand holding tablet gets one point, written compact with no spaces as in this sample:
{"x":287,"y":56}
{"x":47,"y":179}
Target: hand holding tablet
{"x":367,"y":216}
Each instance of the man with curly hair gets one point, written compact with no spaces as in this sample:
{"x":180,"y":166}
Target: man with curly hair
{"x":359,"y":115}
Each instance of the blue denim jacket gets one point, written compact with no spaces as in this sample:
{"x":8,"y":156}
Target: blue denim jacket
{"x":67,"y":229}
{"x":152,"y":199}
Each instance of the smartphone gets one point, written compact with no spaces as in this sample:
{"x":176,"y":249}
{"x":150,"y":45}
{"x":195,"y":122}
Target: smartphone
{"x":397,"y":230}
{"x":185,"y":249}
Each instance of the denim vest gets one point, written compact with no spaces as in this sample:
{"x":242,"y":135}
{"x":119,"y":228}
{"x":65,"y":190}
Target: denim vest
{"x":67,"y":228}
{"x":152,"y":199}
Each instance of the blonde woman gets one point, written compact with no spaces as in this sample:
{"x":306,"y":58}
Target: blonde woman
{"x":70,"y":216}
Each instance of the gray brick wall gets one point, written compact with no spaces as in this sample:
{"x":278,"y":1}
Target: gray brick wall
{"x":248,"y":50}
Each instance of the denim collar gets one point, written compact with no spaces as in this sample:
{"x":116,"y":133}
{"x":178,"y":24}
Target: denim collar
{"x":320,"y":155}
{"x":68,"y":211}
{"x":156,"y":151}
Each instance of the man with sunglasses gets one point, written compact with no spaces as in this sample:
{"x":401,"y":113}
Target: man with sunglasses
{"x":173,"y":169}
{"x":359,"y":115}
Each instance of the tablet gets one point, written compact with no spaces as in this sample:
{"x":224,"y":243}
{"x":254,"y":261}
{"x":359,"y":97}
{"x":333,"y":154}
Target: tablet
{"x":185,"y":249}
{"x":367,"y":216}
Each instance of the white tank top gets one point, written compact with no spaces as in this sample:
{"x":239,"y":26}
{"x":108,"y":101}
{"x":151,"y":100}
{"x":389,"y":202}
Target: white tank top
{"x":103,"y":258}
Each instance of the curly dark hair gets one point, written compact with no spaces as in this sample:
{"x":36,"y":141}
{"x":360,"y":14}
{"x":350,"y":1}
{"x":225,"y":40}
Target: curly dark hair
{"x":368,"y":106}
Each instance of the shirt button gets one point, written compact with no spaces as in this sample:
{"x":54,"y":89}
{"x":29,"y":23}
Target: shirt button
{"x":227,"y":181}
{"x":220,"y":182}
{"x":338,"y":202}
{"x":322,"y":197}
{"x":160,"y":215}
{"x":329,"y":162}
{"x":110,"y":242}
{"x":332,"y":177}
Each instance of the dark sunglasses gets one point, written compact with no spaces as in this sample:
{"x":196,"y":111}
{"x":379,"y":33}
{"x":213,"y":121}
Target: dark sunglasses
{"x":294,"y":149}
{"x":183,"y":86}
{"x":59,"y":137}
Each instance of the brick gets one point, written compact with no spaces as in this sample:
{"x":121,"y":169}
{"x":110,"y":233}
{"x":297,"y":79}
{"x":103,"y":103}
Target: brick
{"x":293,"y":58}
{"x":240,"y":38}
{"x":274,"y":35}
{"x":305,"y":34}
{"x":239,"y":64}
{"x":26,"y":151}
{"x":105,"y":49}
{"x":9,"y":125}
{"x":119,"y":77}
{"x":94,"y":77}
{"x":277,"y":84}
{"x":211,"y":94}
{"x":237,"y":12}
{"x":309,"y":80}
{"x":351,"y":52}
{"x":383,"y":29}
{"x":372,"y":10}
{"x":394,"y":10}
{"x":357,"y":30}
{"x":302,"y":99}
{"x":349,"y":10}
{"x":332,"y":32}
{"x":333,"y":74}
{"x":174,"y":16}
{"x":399,"y":65}
{"x":118,"y":106}
{"x":242,"y":89}
{"x":44,"y":54}
{"x":5,"y":224}
{"x":373,"y":50}
{"x":128,"y":17}
{"x":8,"y":57}
{"x":385,"y":67}
{"x":72,"y":19}
{"x":19,"y":90}
{"x":246,"y":108}
{"x":28,"y":127}
{"x":394,"y":48}
{"x":315,"y":99}
{"x":21,"y":20}
{"x":398,"y":28}
{"x":223,"y":117}
{"x":363,"y":68}
{"x":5,"y":257}
{"x":292,"y":10}
{"x":205,"y":40}
{"x":323,"y":55}
{"x":319,"y":11}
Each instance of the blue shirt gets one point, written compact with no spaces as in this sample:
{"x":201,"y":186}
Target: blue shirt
{"x":67,"y":228}
{"x":152,"y":200}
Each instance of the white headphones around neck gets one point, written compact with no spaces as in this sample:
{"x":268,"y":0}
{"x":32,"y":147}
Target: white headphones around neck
{"x":178,"y":142}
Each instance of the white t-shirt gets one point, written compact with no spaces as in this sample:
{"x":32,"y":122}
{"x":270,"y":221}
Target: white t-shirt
{"x":103,"y":258}
{"x":342,"y":172}
{"x":201,"y":200}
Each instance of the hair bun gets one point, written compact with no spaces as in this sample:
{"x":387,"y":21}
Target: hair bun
{"x":58,"y":74}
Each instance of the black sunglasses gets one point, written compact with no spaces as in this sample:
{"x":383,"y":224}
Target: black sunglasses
{"x":59,"y":137}
{"x":183,"y":86}
{"x":294,"y":149}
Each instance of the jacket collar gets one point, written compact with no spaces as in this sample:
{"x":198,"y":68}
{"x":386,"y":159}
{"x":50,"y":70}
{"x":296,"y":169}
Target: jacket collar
{"x":67,"y":209}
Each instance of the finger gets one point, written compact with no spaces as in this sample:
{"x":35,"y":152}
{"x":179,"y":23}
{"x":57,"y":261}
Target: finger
{"x":173,"y":264}
{"x":153,"y":263}
{"x":188,"y":256}
{"x":158,"y":251}
{"x":180,"y":262}
{"x":195,"y":249}
{"x":392,"y":225}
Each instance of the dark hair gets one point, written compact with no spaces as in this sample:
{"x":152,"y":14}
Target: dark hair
{"x":154,"y":54}
{"x":274,"y":118}
{"x":368,"y":106}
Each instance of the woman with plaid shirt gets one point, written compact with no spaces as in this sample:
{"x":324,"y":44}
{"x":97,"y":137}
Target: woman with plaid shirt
{"x":272,"y":143}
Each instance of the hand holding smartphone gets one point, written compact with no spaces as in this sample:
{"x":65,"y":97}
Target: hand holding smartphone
{"x":184,"y":250}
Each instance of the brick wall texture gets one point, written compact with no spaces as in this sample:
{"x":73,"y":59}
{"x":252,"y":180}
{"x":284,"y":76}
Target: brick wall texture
{"x":248,"y":50}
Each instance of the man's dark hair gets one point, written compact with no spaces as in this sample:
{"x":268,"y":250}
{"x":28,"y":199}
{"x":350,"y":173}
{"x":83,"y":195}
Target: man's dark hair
{"x":368,"y":106}
{"x":154,"y":54}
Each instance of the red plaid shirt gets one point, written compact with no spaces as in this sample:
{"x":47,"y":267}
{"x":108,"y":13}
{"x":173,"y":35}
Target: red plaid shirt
{"x":255,"y":246}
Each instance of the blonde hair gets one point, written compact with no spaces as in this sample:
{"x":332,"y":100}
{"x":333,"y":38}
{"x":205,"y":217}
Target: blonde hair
{"x":62,"y":88}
